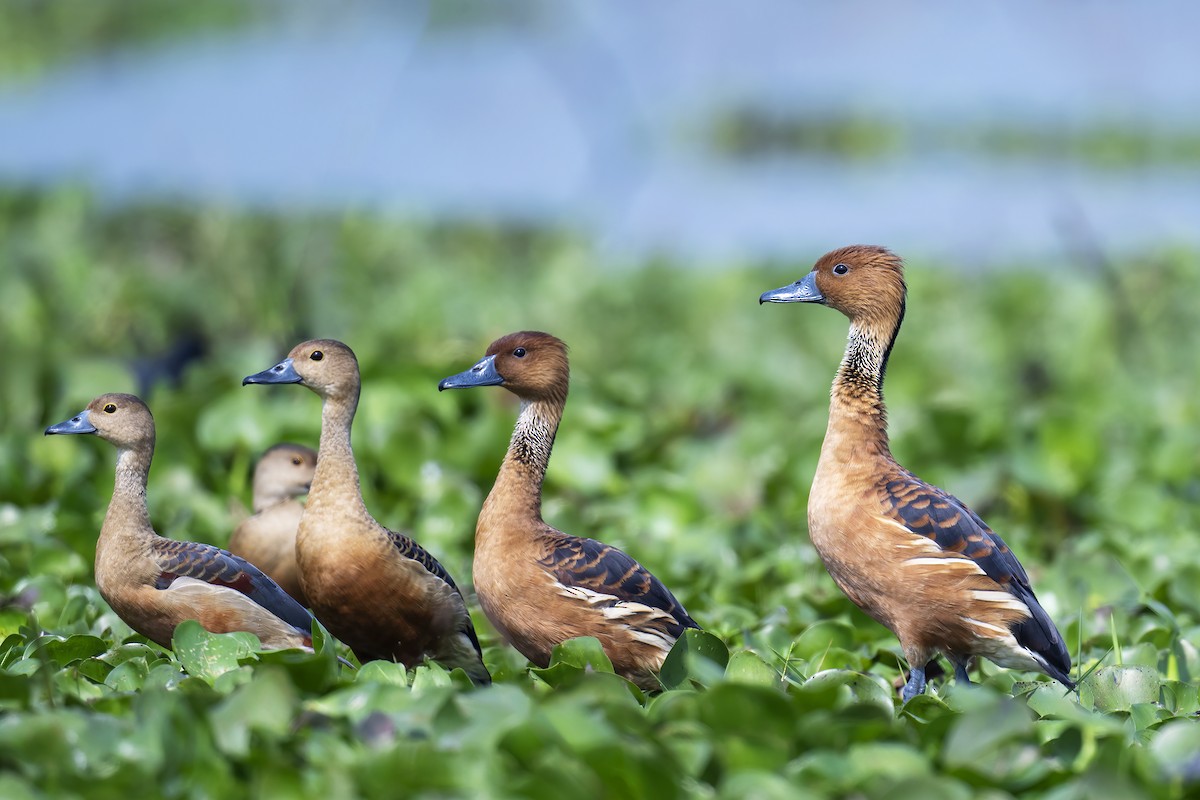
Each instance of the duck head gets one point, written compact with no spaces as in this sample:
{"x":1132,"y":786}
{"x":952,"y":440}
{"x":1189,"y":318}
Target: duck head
{"x":861,"y":281}
{"x":530,"y":364}
{"x":122,"y":419}
{"x":326,"y":366}
{"x":285,"y":470}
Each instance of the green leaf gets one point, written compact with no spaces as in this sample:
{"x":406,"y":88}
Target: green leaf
{"x":819,"y":638}
{"x":697,"y":657}
{"x":379,"y":671}
{"x":210,"y":655}
{"x":1176,"y":750}
{"x":570,"y":660}
{"x":987,"y":721}
{"x":1118,"y":688}
{"x":840,"y":687}
{"x":264,"y":705}
{"x":746,"y":666}
{"x":67,"y":651}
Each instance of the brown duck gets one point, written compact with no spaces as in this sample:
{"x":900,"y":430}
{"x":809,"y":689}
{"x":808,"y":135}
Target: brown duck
{"x":910,"y":555}
{"x":540,"y":586}
{"x":375,"y":589}
{"x":268,"y":538}
{"x":154,"y":583}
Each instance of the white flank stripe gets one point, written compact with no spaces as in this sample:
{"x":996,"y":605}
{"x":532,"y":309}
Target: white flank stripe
{"x":988,"y":627}
{"x":947,"y":563}
{"x":1002,"y":598}
{"x":653,"y":639}
{"x":586,"y":595}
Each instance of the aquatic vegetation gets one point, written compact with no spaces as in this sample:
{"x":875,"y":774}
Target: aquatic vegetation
{"x":1065,"y":413}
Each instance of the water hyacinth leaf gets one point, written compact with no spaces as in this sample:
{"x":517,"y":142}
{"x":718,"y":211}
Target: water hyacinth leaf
{"x":746,"y":666}
{"x":840,"y":687}
{"x":128,"y":676}
{"x":1181,"y":698}
{"x":389,"y":672}
{"x":572,"y":659}
{"x":766,"y":785}
{"x":359,"y":699}
{"x":165,"y":675}
{"x":986,"y":722}
{"x":210,"y":655}
{"x":1176,"y":751}
{"x":697,"y":656}
{"x":94,"y":669}
{"x":14,"y":689}
{"x":487,"y":716}
{"x":431,"y":675}
{"x":64,"y":652}
{"x":819,"y":638}
{"x":14,"y":788}
{"x":264,"y":705}
{"x":311,"y":672}
{"x":1117,"y":688}
{"x":11,"y":648}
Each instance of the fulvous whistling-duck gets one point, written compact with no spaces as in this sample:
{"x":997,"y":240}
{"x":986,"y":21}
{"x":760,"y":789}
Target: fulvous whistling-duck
{"x":540,"y":586}
{"x":910,"y":555}
{"x":268,"y":538}
{"x":154,"y":583}
{"x":375,"y":589}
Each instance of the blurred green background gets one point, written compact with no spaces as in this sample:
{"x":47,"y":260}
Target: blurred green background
{"x":1058,"y":401}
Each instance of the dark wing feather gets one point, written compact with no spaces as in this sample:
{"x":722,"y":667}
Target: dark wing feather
{"x":210,"y":564}
{"x":410,"y":549}
{"x":934,"y":514}
{"x":600,"y":568}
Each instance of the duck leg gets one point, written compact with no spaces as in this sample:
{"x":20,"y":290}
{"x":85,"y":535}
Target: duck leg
{"x":960,"y":672}
{"x":915,"y":685}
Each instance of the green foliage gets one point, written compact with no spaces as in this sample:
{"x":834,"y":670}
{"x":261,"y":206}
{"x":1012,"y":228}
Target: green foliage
{"x":35,"y":33}
{"x":1105,"y":145}
{"x":1061,"y":405}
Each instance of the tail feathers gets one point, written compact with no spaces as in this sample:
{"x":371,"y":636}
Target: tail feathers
{"x":1039,"y":635}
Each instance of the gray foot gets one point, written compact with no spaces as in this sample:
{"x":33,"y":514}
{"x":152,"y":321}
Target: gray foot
{"x":915,"y":685}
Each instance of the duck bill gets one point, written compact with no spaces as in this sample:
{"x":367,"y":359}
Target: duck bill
{"x":802,"y":291}
{"x":76,"y":424}
{"x":482,"y":374}
{"x":283,"y":372}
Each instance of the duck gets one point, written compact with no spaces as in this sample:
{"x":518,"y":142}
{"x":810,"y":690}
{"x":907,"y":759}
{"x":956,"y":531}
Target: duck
{"x":375,"y":589}
{"x":913,"y":557}
{"x":537,"y":585}
{"x":154,"y":583}
{"x":267,"y":539}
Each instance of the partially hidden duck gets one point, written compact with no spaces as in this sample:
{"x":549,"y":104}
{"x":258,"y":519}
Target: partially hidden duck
{"x":538,"y":585}
{"x":913,"y":557}
{"x":375,"y":589}
{"x":268,"y":538}
{"x":154,"y":583}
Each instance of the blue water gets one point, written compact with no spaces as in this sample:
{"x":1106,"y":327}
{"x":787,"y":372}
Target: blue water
{"x":592,"y":115}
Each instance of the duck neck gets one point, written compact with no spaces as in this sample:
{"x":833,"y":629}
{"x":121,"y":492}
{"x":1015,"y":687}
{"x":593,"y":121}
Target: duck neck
{"x":856,"y":400}
{"x":128,"y":516}
{"x":267,"y":496}
{"x":518,"y":488}
{"x":336,"y":476}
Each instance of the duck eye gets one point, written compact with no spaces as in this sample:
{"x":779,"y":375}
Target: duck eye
{"x":317,"y":355}
{"x":110,"y":408}
{"x":840,"y":269}
{"x":297,"y":460}
{"x":519,"y":352}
